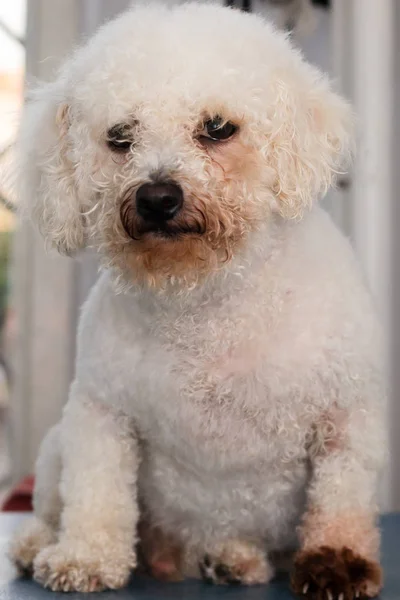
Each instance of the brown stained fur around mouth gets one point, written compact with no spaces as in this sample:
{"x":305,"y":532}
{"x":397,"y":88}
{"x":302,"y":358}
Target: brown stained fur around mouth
{"x":203,"y":236}
{"x":155,"y":259}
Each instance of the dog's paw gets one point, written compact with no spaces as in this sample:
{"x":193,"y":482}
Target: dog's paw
{"x":235,"y":563}
{"x":64,"y":568}
{"x":329,"y":574}
{"x":159,"y":553}
{"x":28,"y":542}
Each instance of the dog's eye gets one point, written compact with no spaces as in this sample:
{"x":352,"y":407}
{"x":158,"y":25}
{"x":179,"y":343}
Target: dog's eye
{"x":218,"y":130}
{"x":119,"y":138}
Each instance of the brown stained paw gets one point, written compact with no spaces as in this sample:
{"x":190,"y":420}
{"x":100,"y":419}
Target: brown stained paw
{"x":329,"y":574}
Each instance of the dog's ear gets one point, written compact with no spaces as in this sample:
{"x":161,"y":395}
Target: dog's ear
{"x":309,"y":141}
{"x":45,"y":176}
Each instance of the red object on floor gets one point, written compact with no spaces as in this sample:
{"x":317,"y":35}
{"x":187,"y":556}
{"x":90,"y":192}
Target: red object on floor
{"x":20,"y":498}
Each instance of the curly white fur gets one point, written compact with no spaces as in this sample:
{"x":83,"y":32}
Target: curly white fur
{"x":228,"y":405}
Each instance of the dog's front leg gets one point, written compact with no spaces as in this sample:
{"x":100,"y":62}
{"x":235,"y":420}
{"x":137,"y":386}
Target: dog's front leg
{"x":339,"y":553}
{"x":96,"y":543}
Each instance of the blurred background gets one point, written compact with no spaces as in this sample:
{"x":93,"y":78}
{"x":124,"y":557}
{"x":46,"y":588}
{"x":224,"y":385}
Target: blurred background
{"x":356,"y":41}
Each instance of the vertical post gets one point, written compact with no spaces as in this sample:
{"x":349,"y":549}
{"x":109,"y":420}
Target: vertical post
{"x":373,"y":71}
{"x":43,"y":284}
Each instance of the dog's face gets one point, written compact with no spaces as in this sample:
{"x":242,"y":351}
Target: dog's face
{"x":173,"y":135}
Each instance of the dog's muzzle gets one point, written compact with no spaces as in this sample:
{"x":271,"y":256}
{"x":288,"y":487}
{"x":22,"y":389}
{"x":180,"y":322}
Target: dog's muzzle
{"x":159,"y":202}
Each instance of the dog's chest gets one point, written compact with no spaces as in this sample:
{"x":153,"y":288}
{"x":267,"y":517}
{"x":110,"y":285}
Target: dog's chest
{"x":205,"y":395}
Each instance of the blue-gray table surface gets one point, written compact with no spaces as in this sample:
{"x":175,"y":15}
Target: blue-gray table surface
{"x":141,"y":588}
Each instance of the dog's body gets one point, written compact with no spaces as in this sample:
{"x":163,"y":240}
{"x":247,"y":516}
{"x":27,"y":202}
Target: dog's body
{"x":234,"y":392}
{"x":225,"y":384}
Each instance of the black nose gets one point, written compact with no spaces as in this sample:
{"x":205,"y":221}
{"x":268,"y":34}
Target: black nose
{"x":158,"y":202}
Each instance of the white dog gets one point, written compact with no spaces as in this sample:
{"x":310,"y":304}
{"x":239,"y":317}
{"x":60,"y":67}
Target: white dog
{"x":228,"y":392}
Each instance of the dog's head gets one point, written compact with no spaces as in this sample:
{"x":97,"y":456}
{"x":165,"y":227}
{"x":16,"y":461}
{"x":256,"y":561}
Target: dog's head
{"x":173,"y":135}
